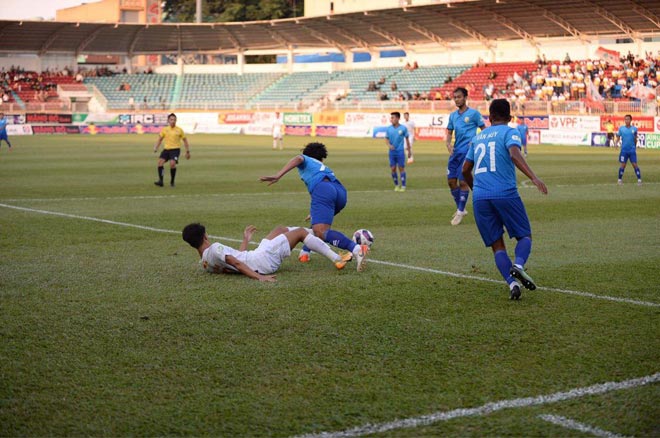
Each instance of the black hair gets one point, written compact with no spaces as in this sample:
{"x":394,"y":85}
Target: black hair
{"x":627,"y":115}
{"x":171,"y":115}
{"x":500,"y":110}
{"x":461,"y":90}
{"x":316,"y":150}
{"x":397,"y":114}
{"x":194,"y":234}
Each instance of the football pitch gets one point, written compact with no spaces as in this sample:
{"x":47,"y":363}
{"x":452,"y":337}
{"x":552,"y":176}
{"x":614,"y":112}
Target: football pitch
{"x":109,"y":327}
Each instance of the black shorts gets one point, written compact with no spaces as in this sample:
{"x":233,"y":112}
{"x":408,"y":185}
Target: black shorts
{"x":610,"y":135}
{"x":170,"y":154}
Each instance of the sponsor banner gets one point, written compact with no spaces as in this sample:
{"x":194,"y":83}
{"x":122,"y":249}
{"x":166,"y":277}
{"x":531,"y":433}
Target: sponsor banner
{"x":566,"y":137}
{"x":15,"y":119}
{"x":55,"y":129}
{"x":102,"y":119}
{"x":354,"y":131}
{"x":219,"y":129}
{"x":643,"y":123}
{"x":641,"y":140}
{"x":298,"y":130}
{"x":297,"y":119}
{"x":575,"y":123}
{"x":329,"y":118}
{"x":326,"y":131}
{"x":536,"y":122}
{"x":144,"y":129}
{"x":144,"y":119}
{"x":19,"y":129}
{"x":103,"y":129}
{"x":48,"y":118}
{"x":652,"y":141}
{"x":257,"y":129}
{"x":367,"y":119}
{"x":533,"y":136}
{"x":79,"y":118}
{"x":426,"y":119}
{"x":657,"y":125}
{"x":236,"y":117}
{"x":431,"y":133}
{"x":599,"y":139}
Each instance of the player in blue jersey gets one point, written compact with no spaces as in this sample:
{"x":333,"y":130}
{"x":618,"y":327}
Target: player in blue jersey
{"x":524,"y":132}
{"x":328,"y":198}
{"x":463,"y":124}
{"x":628,"y":136}
{"x":493,"y":153}
{"x":396,"y":138}
{"x":3,"y":130}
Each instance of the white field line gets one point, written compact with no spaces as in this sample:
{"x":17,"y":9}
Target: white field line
{"x":574,"y":425}
{"x":488,"y":408}
{"x":397,"y":265}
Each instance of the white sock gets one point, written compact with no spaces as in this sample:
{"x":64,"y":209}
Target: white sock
{"x":514,"y":283}
{"x":319,"y":246}
{"x":518,"y":266}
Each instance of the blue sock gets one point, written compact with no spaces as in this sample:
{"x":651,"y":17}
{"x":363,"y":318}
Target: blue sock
{"x":456,"y":193}
{"x":638,"y":173}
{"x":403,"y":179}
{"x":503,"y":263}
{"x":621,"y":169}
{"x":462,"y":199}
{"x":395,"y":179}
{"x":304,"y":248}
{"x":523,"y":249}
{"x":335,"y":238}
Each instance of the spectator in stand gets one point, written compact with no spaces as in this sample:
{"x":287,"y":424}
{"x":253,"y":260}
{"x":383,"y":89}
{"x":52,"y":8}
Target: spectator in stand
{"x":492,"y":75}
{"x":415,"y":66}
{"x":381,"y":81}
{"x":567,"y":59}
{"x":393,"y":86}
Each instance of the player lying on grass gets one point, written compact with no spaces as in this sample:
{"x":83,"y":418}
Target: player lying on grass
{"x":494,"y":155}
{"x":262,"y":262}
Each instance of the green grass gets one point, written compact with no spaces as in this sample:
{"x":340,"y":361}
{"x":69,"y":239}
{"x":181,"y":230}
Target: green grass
{"x":111,"y":330}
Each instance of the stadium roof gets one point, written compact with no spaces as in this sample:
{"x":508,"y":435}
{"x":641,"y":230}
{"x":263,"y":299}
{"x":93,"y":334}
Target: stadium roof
{"x":439,"y":25}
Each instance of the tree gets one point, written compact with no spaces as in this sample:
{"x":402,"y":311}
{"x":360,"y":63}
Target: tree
{"x":179,"y":11}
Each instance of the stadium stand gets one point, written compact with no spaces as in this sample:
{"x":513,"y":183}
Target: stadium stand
{"x":217,"y":91}
{"x":146,"y":90}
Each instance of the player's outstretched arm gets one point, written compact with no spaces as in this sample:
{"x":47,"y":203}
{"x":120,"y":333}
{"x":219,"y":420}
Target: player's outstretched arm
{"x":521,"y":164}
{"x":245,"y":270}
{"x":293,"y":163}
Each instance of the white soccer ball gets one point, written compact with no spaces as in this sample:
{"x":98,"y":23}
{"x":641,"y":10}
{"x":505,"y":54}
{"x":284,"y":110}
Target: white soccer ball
{"x":363,"y":237}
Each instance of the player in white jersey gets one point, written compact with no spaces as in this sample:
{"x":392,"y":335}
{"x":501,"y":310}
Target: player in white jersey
{"x":410,"y":126}
{"x":278,"y":127}
{"x":262,"y":262}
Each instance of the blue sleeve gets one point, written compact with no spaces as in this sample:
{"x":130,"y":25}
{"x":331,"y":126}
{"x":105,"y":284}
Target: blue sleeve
{"x":405,"y":131}
{"x":619,"y":131}
{"x":480,"y":121}
{"x":512,"y":139}
{"x":450,"y":125}
{"x":470,"y":153}
{"x":302,"y":165}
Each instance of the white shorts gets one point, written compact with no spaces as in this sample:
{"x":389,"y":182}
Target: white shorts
{"x":269,"y":255}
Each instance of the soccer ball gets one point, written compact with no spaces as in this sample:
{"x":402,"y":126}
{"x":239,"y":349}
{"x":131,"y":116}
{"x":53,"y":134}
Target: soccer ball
{"x":363,"y":237}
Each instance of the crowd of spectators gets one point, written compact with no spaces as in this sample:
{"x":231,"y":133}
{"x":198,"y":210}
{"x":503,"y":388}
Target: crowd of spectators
{"x":632,"y":78}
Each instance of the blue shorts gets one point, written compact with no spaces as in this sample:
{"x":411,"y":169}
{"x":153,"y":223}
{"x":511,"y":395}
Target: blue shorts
{"x":455,"y":165}
{"x":492,"y":215}
{"x":628,"y":155}
{"x":328,"y":199}
{"x":3,"y":136}
{"x":397,"y":158}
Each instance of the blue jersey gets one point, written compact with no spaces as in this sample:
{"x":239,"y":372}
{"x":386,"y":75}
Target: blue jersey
{"x":313,"y":171}
{"x":494,"y":171}
{"x":3,"y":124}
{"x":523,"y":131}
{"x":627,"y":138}
{"x":396,"y":136}
{"x":465,"y":126}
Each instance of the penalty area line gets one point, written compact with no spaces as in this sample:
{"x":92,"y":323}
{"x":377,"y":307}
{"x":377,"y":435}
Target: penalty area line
{"x":488,"y":408}
{"x":576,"y":425}
{"x":381,"y":262}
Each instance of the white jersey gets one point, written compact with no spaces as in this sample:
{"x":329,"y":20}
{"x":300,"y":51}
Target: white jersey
{"x":277,"y":128}
{"x":265,"y":259}
{"x":410,"y":125}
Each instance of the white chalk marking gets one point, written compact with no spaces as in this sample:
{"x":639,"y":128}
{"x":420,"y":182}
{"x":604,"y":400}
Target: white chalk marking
{"x":488,"y":408}
{"x":398,"y":265}
{"x":575,"y":425}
